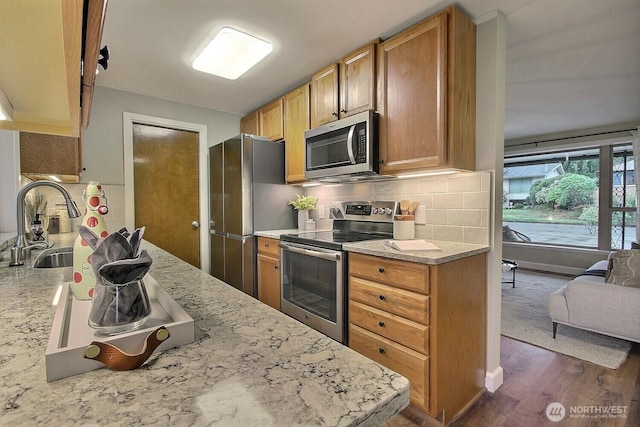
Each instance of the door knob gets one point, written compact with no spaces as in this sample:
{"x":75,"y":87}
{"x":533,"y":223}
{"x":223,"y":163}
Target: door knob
{"x":195,"y":224}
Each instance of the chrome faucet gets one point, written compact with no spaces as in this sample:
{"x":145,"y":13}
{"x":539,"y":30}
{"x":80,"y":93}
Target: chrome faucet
{"x":21,"y":242}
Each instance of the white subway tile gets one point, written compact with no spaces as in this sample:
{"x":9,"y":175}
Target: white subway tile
{"x":476,"y":235}
{"x":447,"y":201}
{"x":466,"y":217}
{"x":476,"y":200}
{"x":436,"y":216}
{"x":448,"y":233}
{"x":465,"y":183}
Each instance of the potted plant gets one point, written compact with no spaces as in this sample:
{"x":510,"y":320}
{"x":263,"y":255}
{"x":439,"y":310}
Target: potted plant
{"x":303,"y":204}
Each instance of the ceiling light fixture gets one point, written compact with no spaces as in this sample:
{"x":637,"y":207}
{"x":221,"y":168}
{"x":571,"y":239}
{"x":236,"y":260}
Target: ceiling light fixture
{"x":231,"y":53}
{"x":6,"y":109}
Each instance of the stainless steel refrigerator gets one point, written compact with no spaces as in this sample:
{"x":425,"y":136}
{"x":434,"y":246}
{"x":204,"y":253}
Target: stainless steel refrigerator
{"x":247,"y":194}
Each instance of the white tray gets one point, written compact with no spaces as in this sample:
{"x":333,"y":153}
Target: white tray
{"x":71,"y":333}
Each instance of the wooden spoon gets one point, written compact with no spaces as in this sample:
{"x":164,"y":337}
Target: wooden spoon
{"x":404,"y":206}
{"x":413,"y":206}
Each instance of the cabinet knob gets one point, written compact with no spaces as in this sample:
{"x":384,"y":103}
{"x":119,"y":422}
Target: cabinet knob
{"x":381,"y":324}
{"x":276,"y":267}
{"x":382,"y":297}
{"x":381,"y":350}
{"x":343,"y":111}
{"x":266,"y":245}
{"x":381,"y":269}
{"x":334,"y":114}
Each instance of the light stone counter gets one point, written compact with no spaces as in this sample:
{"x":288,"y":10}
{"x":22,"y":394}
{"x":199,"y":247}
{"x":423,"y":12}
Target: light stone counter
{"x":449,"y":251}
{"x":250,"y":365}
{"x":275,"y":234}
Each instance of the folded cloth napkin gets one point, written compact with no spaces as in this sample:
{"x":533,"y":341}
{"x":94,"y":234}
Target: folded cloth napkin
{"x":119,"y":265}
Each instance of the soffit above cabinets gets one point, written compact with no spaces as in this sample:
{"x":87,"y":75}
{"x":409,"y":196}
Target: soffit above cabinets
{"x":40,"y":58}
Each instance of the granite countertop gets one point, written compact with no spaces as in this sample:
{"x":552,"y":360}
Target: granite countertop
{"x":249,"y":364}
{"x":449,"y":251}
{"x":275,"y":234}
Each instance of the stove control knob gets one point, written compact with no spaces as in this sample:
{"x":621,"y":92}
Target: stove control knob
{"x":375,"y":211}
{"x":388,"y":211}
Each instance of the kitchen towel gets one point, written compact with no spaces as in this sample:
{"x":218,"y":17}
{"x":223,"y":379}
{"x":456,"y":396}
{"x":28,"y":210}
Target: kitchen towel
{"x":119,"y":265}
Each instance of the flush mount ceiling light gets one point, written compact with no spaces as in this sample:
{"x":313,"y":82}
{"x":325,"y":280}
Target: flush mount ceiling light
{"x":231,"y":53}
{"x":6,"y":109}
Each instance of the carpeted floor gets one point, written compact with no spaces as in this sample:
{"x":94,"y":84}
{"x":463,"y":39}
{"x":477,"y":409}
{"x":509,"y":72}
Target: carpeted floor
{"x":525,"y":318}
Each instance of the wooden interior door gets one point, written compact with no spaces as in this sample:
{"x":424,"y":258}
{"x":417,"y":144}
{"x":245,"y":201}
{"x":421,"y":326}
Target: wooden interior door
{"x":166,"y":189}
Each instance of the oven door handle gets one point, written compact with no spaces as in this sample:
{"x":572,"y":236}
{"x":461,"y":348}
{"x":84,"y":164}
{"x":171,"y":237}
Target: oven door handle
{"x":328,"y":255}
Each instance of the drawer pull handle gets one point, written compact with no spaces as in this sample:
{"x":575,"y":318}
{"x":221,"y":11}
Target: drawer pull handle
{"x":381,"y":324}
{"x":381,"y":269}
{"x":381,"y":350}
{"x":382,"y":297}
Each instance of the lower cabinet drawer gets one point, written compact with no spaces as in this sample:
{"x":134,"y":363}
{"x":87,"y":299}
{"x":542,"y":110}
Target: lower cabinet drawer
{"x":408,"y":333}
{"x":403,"y":360}
{"x":410,"y":305}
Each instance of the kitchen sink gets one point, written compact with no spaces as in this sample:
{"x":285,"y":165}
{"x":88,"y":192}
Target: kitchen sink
{"x":54,"y":257}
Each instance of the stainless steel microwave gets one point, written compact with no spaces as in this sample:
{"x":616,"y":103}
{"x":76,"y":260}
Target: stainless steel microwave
{"x":343,"y":148}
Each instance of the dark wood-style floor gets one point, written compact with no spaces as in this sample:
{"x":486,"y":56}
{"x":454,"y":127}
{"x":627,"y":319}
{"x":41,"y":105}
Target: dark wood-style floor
{"x":535,"y":377}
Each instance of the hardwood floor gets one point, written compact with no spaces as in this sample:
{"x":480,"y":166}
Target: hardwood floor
{"x":535,"y":377}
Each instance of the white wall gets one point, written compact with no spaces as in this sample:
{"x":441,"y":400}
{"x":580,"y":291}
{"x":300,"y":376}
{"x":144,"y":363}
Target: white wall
{"x":490,"y":113}
{"x":102,"y":140}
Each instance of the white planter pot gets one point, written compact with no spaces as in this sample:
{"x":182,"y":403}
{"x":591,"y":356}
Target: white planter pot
{"x":303,"y":216}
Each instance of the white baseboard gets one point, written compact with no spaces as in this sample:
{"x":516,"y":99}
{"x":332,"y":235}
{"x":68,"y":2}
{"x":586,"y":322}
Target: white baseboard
{"x":493,"y":380}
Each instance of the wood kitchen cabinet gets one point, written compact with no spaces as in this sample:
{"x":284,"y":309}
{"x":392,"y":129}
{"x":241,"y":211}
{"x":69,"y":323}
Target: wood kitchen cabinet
{"x":426,"y":322}
{"x":250,"y":123}
{"x":44,"y":155}
{"x":51,"y":97}
{"x":296,"y":121}
{"x":271,"y":120}
{"x":346,"y":87}
{"x":266,"y":121}
{"x":269,"y":272}
{"x":426,"y":95}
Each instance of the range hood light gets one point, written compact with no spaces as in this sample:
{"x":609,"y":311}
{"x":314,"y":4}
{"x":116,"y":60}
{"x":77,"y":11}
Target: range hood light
{"x":231,"y":53}
{"x":6,"y":109}
{"x":55,"y":178}
{"x":311,"y":184}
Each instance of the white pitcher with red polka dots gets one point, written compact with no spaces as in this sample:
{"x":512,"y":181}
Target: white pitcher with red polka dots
{"x":84,"y":279}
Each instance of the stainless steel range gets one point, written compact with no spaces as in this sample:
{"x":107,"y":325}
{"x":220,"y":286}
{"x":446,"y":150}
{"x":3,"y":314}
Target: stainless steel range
{"x":313,"y":265}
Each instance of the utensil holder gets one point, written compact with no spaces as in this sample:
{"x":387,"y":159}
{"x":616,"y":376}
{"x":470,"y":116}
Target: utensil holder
{"x":404,"y":227}
{"x":117,"y":308}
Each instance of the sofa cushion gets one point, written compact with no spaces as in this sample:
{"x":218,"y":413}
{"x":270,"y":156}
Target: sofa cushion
{"x":624,"y":268}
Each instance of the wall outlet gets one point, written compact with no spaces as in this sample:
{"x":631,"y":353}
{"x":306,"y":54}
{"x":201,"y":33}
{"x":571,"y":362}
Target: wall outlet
{"x":421,"y":215}
{"x":321,"y":212}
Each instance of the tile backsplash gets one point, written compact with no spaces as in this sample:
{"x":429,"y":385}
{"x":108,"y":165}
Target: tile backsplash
{"x":456,"y":207}
{"x":114,"y":220}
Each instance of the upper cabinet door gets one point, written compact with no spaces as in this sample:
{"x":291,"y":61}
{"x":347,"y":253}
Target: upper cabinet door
{"x":324,"y":96}
{"x":412,"y":104}
{"x":271,"y":121}
{"x":357,"y":81}
{"x":427,"y":95}
{"x":296,"y":121}
{"x":250,"y":124}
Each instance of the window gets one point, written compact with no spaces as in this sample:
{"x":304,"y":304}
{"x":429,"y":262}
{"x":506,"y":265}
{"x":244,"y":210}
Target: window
{"x":562,"y":201}
{"x":520,"y":185}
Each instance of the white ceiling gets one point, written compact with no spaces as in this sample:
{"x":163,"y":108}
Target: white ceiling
{"x":571,"y":64}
